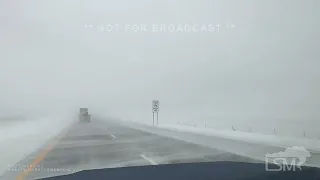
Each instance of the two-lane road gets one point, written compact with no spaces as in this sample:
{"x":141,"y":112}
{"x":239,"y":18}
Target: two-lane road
{"x":104,"y":144}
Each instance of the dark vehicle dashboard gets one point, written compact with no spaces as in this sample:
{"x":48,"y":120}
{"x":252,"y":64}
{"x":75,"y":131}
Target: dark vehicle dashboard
{"x":195,"y":171}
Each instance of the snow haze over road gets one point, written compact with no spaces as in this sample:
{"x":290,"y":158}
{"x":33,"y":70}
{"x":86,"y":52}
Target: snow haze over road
{"x":259,"y":70}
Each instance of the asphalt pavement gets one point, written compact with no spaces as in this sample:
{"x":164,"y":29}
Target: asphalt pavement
{"x":106,"y":144}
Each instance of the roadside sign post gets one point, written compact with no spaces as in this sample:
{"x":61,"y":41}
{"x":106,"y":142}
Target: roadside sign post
{"x":155,"y":109}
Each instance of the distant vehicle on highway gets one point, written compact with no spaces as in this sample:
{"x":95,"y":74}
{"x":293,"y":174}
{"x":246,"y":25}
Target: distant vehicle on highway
{"x":84,"y":116}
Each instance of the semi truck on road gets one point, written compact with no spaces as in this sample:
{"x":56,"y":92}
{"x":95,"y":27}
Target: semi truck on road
{"x":84,"y":116}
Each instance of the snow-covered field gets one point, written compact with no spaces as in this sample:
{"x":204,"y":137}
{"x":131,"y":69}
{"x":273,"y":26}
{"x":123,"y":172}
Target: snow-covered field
{"x":258,"y":138}
{"x":277,"y":138}
{"x":286,"y":126}
{"x":21,"y":138}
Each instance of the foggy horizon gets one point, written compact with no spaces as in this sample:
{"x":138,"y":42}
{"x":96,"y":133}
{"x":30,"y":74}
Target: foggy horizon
{"x":261,"y":65}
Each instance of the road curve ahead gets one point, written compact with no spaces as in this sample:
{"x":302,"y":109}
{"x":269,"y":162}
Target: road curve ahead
{"x":104,"y":144}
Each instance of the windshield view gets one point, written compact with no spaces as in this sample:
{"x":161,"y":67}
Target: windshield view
{"x":159,"y":89}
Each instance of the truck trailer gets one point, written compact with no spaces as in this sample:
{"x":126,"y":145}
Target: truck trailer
{"x":84,"y":116}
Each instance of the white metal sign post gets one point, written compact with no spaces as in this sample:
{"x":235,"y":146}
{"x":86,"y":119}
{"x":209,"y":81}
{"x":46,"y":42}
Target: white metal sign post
{"x":155,"y":109}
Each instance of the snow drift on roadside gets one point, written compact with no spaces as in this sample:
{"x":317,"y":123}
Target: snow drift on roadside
{"x":251,"y":145}
{"x":272,"y":140}
{"x":249,"y":137}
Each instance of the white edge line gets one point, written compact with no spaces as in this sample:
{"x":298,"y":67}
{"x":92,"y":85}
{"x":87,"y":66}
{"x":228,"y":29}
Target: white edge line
{"x":151,"y":161}
{"x":113,"y":136}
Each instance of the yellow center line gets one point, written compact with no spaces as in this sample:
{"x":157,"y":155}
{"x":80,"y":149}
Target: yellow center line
{"x":41,"y":156}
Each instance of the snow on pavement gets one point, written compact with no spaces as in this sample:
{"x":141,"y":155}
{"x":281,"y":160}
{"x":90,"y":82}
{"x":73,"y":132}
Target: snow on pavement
{"x":22,"y":138}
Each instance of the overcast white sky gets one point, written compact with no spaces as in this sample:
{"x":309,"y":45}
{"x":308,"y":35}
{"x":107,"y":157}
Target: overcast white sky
{"x":266,"y":66}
